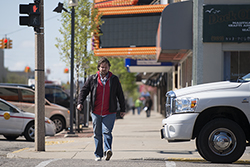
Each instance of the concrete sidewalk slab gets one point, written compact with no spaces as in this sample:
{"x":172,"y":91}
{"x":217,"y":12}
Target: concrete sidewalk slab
{"x":134,"y":137}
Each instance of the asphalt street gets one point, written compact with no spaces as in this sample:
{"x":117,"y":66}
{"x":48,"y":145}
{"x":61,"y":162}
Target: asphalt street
{"x":136,"y":141}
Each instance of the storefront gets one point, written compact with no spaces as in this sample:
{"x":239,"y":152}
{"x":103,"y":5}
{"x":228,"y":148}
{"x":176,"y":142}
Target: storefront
{"x":220,"y":40}
{"x":226,"y":41}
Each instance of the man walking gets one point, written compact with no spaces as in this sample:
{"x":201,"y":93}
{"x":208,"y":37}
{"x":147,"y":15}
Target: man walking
{"x":104,"y":88}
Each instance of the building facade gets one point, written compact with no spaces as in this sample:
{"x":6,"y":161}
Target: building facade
{"x":201,"y":40}
{"x":220,"y":43}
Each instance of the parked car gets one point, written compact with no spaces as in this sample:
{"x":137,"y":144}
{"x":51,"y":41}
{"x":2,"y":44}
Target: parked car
{"x":53,"y":93}
{"x":24,"y":99}
{"x":15,"y":123}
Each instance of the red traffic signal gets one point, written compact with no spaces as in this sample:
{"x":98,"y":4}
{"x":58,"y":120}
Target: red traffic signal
{"x":5,"y":43}
{"x":66,"y":70}
{"x":27,"y":69}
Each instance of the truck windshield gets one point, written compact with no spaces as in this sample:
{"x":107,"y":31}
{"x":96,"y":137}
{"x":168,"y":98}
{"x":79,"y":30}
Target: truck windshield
{"x":246,"y":78}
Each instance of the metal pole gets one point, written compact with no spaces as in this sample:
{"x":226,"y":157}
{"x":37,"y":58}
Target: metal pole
{"x":72,"y":69}
{"x":39,"y":86}
{"x":197,"y":64}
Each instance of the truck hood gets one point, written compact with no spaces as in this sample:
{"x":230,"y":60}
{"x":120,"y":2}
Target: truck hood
{"x":207,"y":87}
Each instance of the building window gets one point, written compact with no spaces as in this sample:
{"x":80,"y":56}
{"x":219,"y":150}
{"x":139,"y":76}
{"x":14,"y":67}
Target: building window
{"x":236,"y":64}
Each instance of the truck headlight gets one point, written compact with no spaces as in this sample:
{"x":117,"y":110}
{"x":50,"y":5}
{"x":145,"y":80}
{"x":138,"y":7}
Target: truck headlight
{"x":187,"y":104}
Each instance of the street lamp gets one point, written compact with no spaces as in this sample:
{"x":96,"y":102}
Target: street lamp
{"x":72,"y":3}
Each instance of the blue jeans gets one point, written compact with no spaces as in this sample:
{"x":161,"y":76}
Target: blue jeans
{"x":138,"y":110}
{"x":103,"y":126}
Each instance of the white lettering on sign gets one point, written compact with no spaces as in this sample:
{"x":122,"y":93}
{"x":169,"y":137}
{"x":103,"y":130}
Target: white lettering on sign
{"x":148,"y":62}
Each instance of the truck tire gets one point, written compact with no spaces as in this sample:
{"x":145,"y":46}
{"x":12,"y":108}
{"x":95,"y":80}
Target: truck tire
{"x":199,"y":149}
{"x":222,"y":141}
{"x":29,"y":132}
{"x":59,"y":122}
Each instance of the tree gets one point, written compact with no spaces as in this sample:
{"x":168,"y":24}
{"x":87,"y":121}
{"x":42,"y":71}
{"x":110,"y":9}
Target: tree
{"x":14,"y":77}
{"x":87,"y":21}
{"x":127,"y":79}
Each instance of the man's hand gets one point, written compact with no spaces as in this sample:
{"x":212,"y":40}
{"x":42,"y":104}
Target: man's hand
{"x":122,"y":114}
{"x":79,"y":107}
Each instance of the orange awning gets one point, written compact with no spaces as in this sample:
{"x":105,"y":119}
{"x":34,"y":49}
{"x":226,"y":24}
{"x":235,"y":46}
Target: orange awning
{"x":127,"y":52}
{"x":115,"y":3}
{"x":139,"y":9}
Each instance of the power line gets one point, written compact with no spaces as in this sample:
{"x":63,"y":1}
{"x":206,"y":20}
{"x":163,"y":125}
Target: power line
{"x":26,"y":27}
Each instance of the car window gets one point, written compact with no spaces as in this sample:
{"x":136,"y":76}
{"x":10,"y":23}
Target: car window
{"x":9,"y":94}
{"x":49,"y":94}
{"x":59,"y":94}
{"x":5,"y":107}
{"x":28,"y":96}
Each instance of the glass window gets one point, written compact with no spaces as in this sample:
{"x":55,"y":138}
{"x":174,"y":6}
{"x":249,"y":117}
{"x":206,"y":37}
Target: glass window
{"x":9,"y":94}
{"x":236,"y":64}
{"x":60,"y":94}
{"x":28,"y":96}
{"x":4,"y":107}
{"x":49,"y":94}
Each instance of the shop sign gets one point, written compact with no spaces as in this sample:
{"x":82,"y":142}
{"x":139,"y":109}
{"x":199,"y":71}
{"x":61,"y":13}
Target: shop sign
{"x":226,"y":23}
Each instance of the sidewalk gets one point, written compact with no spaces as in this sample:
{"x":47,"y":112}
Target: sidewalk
{"x":134,"y":137}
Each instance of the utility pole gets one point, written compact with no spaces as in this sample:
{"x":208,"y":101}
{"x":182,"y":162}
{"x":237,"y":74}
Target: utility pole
{"x":197,"y":70}
{"x":39,"y":84}
{"x":35,"y":18}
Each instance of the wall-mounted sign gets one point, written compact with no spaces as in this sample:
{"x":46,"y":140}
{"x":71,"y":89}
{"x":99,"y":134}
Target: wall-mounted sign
{"x":226,"y":23}
{"x":138,"y":30}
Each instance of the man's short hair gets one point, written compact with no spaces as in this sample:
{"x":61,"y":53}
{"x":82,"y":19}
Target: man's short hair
{"x":103,"y":60}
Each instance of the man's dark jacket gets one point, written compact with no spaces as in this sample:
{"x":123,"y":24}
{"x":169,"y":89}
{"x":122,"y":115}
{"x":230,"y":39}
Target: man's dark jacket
{"x":116,"y":92}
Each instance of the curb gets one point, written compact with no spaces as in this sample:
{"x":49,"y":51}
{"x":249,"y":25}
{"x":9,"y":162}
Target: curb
{"x":188,"y":160}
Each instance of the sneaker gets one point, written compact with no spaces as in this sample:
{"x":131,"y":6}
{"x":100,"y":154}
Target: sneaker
{"x":108,"y":155}
{"x":98,"y":159}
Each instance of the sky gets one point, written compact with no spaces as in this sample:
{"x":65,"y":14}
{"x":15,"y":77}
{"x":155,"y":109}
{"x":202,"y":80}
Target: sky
{"x":23,"y":46}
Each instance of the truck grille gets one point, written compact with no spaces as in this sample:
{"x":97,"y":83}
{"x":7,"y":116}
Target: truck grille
{"x":169,"y":103}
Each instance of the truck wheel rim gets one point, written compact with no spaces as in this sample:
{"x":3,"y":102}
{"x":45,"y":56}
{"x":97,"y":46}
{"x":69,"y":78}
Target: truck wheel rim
{"x":222,"y":141}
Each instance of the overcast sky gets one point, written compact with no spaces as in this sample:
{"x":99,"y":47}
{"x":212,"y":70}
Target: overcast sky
{"x":23,"y":52}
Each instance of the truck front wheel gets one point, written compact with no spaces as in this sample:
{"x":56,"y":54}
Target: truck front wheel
{"x":221,"y":140}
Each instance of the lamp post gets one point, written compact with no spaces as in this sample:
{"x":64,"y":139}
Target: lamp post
{"x":72,"y":3}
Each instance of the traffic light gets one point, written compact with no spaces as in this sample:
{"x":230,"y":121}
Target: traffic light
{"x":9,"y":44}
{"x":34,"y":18}
{"x":66,"y":70}
{"x":1,"y":43}
{"x":27,"y":69}
{"x":5,"y":43}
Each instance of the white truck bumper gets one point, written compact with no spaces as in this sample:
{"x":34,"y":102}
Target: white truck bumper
{"x":178,"y":127}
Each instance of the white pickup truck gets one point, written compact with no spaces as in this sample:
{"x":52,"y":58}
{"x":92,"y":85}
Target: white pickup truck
{"x":216,"y":114}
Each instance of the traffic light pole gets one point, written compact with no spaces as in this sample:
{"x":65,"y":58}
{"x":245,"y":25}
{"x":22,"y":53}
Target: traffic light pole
{"x":39,"y":84}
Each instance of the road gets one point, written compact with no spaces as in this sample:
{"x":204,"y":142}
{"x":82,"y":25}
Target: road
{"x":21,"y":143}
{"x":10,"y":146}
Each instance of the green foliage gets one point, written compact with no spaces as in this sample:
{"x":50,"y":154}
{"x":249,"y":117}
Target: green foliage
{"x":16,"y":78}
{"x":127,"y":79}
{"x":87,"y":21}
